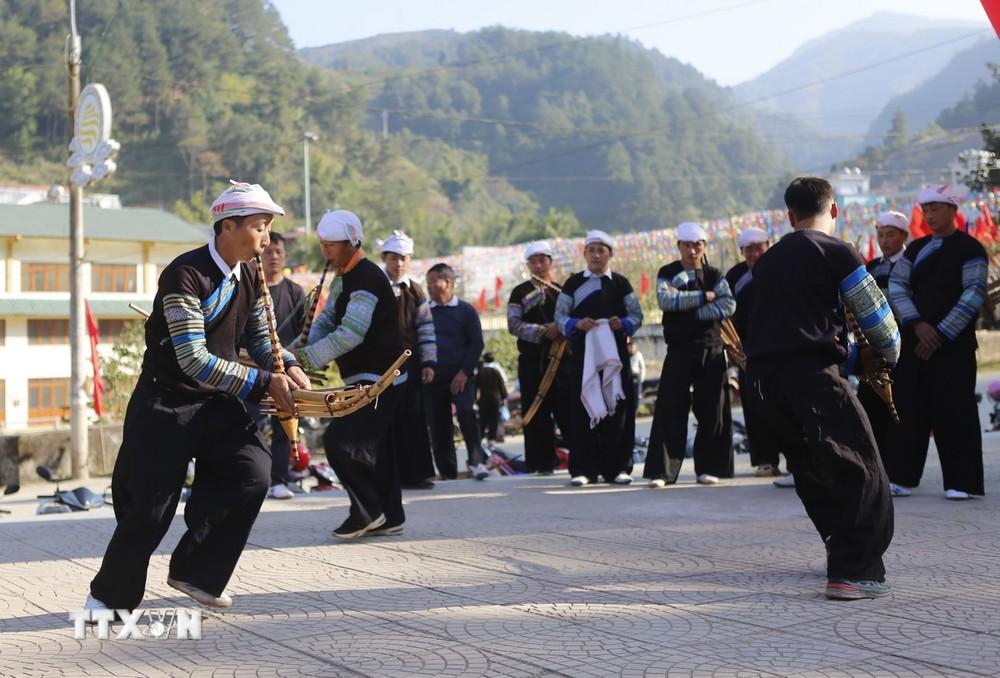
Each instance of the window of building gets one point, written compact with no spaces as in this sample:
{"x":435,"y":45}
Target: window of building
{"x":44,"y":277}
{"x":48,"y":331}
{"x":111,"y":330}
{"x":48,"y":400}
{"x":112,"y":278}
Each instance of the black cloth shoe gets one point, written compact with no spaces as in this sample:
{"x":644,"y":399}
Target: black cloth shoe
{"x":356,"y":527}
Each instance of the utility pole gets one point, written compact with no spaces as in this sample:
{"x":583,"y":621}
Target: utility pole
{"x":306,"y":138}
{"x":385,"y":124}
{"x":79,"y":443}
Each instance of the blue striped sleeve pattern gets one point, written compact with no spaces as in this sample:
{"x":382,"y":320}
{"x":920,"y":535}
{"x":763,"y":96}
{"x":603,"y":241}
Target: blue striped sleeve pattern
{"x":530,"y":332}
{"x":973,"y":296}
{"x":900,"y":293}
{"x":633,"y":314}
{"x":343,"y":337}
{"x":865,"y":301}
{"x":723,"y":306}
{"x":257,"y":339}
{"x":186,"y":324}
{"x":564,"y":306}
{"x":426,"y":340}
{"x":670,"y":297}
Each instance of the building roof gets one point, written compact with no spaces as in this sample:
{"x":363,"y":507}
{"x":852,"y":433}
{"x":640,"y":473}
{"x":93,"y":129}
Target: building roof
{"x":134,"y":224}
{"x":59,"y":308}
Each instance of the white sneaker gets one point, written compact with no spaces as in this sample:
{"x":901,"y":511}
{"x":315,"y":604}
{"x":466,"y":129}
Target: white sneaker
{"x":480,"y":472}
{"x":899,"y":491}
{"x":707,"y":479}
{"x":279,"y":492}
{"x":622,"y":479}
{"x":785,"y":481}
{"x":657,"y":483}
{"x":93,"y":603}
{"x":956,"y":495}
{"x":203,"y":597}
{"x":579,"y":481}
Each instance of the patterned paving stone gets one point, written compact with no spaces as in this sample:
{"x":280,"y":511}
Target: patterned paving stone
{"x":527,"y":577}
{"x":973,"y":653}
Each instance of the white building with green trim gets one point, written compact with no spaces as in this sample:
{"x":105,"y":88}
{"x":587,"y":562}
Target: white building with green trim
{"x":125,"y":250}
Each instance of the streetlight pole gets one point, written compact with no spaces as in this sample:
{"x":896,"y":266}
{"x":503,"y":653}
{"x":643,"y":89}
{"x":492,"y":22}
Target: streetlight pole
{"x":306,"y":138}
{"x":79,"y":443}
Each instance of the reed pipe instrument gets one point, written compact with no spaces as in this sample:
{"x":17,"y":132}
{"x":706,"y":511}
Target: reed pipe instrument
{"x":289,"y":420}
{"x":873,"y":369}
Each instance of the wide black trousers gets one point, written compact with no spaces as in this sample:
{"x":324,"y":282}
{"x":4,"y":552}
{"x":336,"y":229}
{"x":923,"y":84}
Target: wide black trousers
{"x":555,"y":410}
{"x":704,"y":369}
{"x":361,"y":451}
{"x":163,"y":431}
{"x":762,"y":449}
{"x":438,"y":400}
{"x":605,"y":450}
{"x":883,"y":427}
{"x":409,"y":432}
{"x":812,"y":412}
{"x":937,"y":395}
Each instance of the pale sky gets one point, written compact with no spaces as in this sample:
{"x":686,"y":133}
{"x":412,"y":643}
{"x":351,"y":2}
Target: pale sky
{"x":728,"y":40}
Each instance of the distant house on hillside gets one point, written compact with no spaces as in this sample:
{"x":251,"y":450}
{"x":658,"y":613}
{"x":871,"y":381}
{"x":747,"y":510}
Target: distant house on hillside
{"x":851,"y":181}
{"x":125,"y":250}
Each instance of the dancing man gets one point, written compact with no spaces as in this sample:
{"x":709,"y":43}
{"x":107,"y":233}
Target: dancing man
{"x":359,"y":329}
{"x":190,"y":401}
{"x":795,"y":347}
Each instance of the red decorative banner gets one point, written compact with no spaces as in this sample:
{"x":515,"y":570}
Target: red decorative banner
{"x":992,"y":8}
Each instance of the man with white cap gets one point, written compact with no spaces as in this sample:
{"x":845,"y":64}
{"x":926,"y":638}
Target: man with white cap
{"x":589,"y":299}
{"x":752,"y":242}
{"x":190,"y":402}
{"x":892,"y":230}
{"x":531,"y":318}
{"x":359,"y":329}
{"x":694,"y":298}
{"x":416,"y":326}
{"x":937,"y":289}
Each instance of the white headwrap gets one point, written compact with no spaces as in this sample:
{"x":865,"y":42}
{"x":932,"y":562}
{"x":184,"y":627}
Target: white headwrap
{"x":691,"y":232}
{"x":939,"y":193}
{"x":751,"y":236}
{"x":242,"y":199}
{"x":340,"y":225}
{"x":538,"y":247}
{"x":398,"y":243}
{"x":893,"y":219}
{"x":599,"y":237}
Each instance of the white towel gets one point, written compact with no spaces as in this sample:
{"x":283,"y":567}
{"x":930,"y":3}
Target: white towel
{"x":602,"y":378}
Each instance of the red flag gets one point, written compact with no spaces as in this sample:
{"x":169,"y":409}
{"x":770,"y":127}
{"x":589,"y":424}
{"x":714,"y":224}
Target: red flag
{"x":960,"y":222}
{"x":481,"y":304}
{"x":497,"y":286}
{"x":94,"y":339}
{"x":644,"y":285}
{"x":918,"y":227}
{"x":985,"y":229}
{"x":992,"y":8}
{"x":871,"y":249}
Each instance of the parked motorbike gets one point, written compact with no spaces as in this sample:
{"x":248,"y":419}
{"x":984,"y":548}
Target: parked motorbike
{"x":66,"y":501}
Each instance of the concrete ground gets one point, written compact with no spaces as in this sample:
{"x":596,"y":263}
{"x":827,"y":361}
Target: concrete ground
{"x":525,"y":576}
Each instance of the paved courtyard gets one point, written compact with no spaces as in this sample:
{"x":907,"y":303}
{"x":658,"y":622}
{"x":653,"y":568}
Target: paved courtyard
{"x":525,"y":576}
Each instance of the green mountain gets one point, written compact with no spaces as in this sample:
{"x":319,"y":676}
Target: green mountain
{"x":625,"y":137}
{"x":208,"y":90}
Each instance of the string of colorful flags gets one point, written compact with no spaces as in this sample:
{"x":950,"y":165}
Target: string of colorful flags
{"x":488,"y":274}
